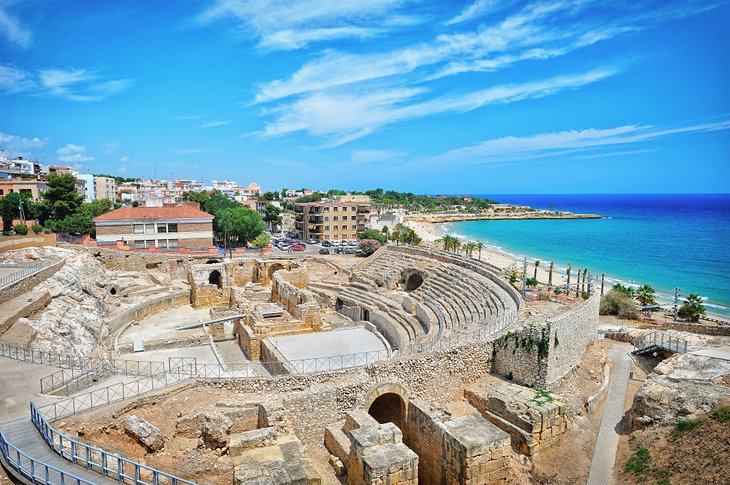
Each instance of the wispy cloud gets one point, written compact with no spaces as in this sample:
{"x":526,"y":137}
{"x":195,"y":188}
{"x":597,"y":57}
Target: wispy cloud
{"x":213,"y":124}
{"x":478,"y":8}
{"x":344,"y":117}
{"x":80,"y":84}
{"x":69,"y":84}
{"x":282,"y":25}
{"x":71,"y":153}
{"x":111,"y":147}
{"x":544,"y":145}
{"x":20,"y":145}
{"x":11,"y":28}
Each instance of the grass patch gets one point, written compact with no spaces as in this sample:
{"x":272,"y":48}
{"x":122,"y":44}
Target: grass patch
{"x":638,"y":462}
{"x":542,"y":397}
{"x":722,"y":413}
{"x":684,"y":425}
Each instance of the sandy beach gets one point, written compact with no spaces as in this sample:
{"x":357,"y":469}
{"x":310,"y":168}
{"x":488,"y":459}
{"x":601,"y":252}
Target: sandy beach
{"x":430,"y":233}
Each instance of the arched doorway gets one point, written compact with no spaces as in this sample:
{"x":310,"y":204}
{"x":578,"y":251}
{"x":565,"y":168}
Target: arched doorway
{"x":414,"y":281}
{"x":215,"y":278}
{"x":273,"y":269}
{"x":389,"y":408}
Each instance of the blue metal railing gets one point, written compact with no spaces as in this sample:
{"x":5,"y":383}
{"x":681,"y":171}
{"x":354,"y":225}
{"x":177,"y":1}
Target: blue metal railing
{"x":109,"y":465}
{"x":24,"y":466}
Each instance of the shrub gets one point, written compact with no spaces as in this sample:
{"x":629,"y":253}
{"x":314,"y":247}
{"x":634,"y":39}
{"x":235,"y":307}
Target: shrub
{"x":531,"y":282}
{"x":37,"y":228}
{"x":684,"y":425}
{"x":637,"y":463}
{"x":585,"y":295}
{"x":7,"y":233}
{"x":722,"y":413}
{"x":369,"y":246}
{"x":620,"y":304}
{"x":21,"y":229}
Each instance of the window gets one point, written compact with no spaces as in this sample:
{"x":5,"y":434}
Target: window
{"x":326,"y":209}
{"x":139,"y":228}
{"x":335,"y":209}
{"x":336,"y":227}
{"x":353,"y":218}
{"x":326,"y":228}
{"x":2,"y":192}
{"x":335,"y":236}
{"x":172,"y":227}
{"x":326,"y":218}
{"x":344,"y":209}
{"x":149,"y":228}
{"x":344,"y":227}
{"x":161,"y":227}
{"x":353,"y":236}
{"x":336,"y":218}
{"x":353,"y":208}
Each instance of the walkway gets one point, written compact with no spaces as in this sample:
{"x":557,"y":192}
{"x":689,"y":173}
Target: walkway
{"x":23,"y":435}
{"x":604,"y":454}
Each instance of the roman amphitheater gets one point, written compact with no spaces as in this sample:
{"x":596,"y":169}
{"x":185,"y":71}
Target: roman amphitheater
{"x":413,"y":365}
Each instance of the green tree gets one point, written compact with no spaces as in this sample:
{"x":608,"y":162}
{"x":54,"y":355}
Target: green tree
{"x":10,"y":208}
{"x":238,"y":225}
{"x":272,"y":215}
{"x":73,"y":224}
{"x":261,"y":241}
{"x":61,"y":199}
{"x":96,"y":207}
{"x":692,"y":308}
{"x":269,"y":196}
{"x":373,"y":234}
{"x":645,"y":295}
{"x":479,"y":246}
{"x":626,"y":290}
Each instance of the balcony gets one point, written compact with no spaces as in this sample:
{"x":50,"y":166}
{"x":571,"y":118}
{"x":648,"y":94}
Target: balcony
{"x":299,"y":225}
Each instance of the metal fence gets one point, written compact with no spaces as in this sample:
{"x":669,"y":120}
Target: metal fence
{"x":660,"y":340}
{"x":25,"y":270}
{"x":74,"y":379}
{"x":98,"y":460}
{"x":40,"y":356}
{"x":26,"y":467}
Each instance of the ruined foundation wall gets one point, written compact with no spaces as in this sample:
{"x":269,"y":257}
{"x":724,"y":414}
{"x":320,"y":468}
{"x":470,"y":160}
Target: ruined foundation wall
{"x":151,"y":306}
{"x":27,"y":284}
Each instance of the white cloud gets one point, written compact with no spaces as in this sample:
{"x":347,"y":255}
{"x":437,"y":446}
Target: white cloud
{"x":512,"y":148}
{"x":287,"y":25}
{"x":71,"y":153}
{"x":111,"y":147}
{"x":477,"y":9}
{"x":11,"y":29}
{"x":344,"y":117}
{"x":20,"y":146}
{"x":213,"y":124}
{"x":80,"y":85}
{"x":13,"y":80}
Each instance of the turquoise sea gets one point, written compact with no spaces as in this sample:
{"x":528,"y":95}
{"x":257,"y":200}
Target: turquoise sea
{"x":667,"y":241}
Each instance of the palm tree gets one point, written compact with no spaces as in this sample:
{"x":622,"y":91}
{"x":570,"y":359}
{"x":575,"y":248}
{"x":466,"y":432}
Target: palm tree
{"x":692,"y":308}
{"x":569,"y":268}
{"x":479,"y":246}
{"x":550,"y":275}
{"x":457,"y":245}
{"x":645,"y":295}
{"x":537,"y":263}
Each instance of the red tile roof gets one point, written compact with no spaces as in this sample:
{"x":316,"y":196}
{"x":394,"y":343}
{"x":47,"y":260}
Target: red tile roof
{"x":181,"y":211}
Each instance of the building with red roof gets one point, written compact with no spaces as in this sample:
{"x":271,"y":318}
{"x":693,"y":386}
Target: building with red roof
{"x":170,"y":226}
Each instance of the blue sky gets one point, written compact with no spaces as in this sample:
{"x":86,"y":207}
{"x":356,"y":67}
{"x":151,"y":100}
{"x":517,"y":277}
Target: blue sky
{"x":474,"y":96}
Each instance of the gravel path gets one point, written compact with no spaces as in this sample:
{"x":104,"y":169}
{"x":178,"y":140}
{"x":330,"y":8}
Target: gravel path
{"x":604,"y":456}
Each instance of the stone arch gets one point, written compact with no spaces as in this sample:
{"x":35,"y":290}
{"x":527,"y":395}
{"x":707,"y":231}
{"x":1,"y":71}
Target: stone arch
{"x":382,"y":389}
{"x":212,"y":261}
{"x":273,"y":269}
{"x":412,"y":280}
{"x":215,"y":278}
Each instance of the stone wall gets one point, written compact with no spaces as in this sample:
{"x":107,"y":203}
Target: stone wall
{"x":539,"y":354}
{"x":8,"y":243}
{"x":153,"y":305}
{"x":27,"y":284}
{"x":310,"y":406}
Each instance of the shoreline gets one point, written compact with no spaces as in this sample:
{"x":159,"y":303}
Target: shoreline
{"x":537,"y":215}
{"x":429,"y":232}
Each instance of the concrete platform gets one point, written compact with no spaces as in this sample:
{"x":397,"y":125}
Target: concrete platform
{"x":717,"y":353}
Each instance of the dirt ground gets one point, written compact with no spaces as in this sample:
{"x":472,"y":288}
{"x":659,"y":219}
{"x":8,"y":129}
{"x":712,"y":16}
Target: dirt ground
{"x":701,"y":455}
{"x":570,"y":461}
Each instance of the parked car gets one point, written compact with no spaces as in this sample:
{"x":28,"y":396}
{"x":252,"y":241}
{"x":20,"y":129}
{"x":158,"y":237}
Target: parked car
{"x":353,"y":242}
{"x":326,"y":244}
{"x":312,"y":241}
{"x":338,"y":250}
{"x":349,"y":250}
{"x":343,"y":242}
{"x":324,"y":251}
{"x":297,"y":247}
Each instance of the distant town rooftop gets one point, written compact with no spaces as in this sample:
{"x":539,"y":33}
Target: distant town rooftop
{"x":171,"y":211}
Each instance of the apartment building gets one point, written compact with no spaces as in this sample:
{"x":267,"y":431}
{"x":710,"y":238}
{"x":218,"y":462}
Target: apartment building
{"x":331,"y":221}
{"x":34,"y":188}
{"x":105,"y":188}
{"x":171,"y":226}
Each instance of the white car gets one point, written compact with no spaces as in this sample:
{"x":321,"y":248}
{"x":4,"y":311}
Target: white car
{"x":343,"y":242}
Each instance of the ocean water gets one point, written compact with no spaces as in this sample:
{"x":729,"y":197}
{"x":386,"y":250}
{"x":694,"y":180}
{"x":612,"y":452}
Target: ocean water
{"x":667,"y":241}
